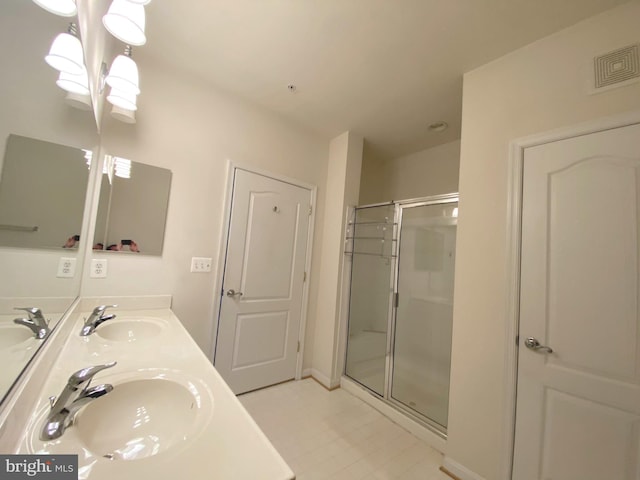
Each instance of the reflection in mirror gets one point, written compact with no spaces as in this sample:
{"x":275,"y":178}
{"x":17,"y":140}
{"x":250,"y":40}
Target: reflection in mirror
{"x":42,"y":192}
{"x":33,"y":106}
{"x":25,"y":323}
{"x":132,"y":210}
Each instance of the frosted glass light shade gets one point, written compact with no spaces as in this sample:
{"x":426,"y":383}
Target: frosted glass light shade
{"x":66,"y":55}
{"x":123,"y":75}
{"x":124,"y":115}
{"x":122,"y":99}
{"x":81,"y":102}
{"x":141,"y":2}
{"x":64,"y":8}
{"x":126,"y":21}
{"x":74,"y":83}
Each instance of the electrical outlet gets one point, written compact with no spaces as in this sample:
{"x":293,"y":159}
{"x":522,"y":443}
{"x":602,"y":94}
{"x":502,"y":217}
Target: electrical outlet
{"x":98,"y":268}
{"x":66,"y":267}
{"x":200,"y":264}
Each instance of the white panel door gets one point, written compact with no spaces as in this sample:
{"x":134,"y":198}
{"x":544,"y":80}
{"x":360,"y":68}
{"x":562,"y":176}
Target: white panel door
{"x":261,"y":303}
{"x":578,"y":407}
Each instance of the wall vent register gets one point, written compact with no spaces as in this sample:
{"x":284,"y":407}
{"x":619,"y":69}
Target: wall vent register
{"x":617,"y":67}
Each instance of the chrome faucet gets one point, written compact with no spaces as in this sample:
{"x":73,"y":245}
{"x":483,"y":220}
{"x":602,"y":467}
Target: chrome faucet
{"x":75,"y":395}
{"x":36,"y":322}
{"x":96,"y":318}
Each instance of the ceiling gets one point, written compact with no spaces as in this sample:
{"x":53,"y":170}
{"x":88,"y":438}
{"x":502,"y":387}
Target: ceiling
{"x":384,"y":69}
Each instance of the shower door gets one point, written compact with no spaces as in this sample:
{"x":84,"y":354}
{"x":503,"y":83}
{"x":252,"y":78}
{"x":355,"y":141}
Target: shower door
{"x":401,"y":304}
{"x":371,"y":236}
{"x":424,"y":310}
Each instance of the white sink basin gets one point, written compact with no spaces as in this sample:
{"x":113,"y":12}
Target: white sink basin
{"x":11,"y":335}
{"x":130,"y":329}
{"x":138,"y":419}
{"x":147,"y":413}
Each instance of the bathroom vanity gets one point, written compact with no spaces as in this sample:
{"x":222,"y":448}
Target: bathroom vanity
{"x":169,"y":414}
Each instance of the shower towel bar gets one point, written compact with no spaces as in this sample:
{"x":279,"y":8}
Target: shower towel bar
{"x":371,"y":254}
{"x":19,"y":228}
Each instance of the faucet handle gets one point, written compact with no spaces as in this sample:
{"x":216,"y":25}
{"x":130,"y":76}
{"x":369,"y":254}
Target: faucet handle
{"x":84,"y":376}
{"x":102,"y":308}
{"x":34,"y":312}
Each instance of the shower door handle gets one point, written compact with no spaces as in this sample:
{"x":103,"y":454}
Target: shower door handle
{"x":533,"y":344}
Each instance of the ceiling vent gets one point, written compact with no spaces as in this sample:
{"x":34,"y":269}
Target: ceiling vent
{"x":617,"y":68}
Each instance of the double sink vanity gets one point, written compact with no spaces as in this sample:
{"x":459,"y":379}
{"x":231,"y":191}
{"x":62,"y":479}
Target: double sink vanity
{"x":128,"y":390}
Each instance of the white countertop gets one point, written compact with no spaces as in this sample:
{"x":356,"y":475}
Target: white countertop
{"x":227,"y":443}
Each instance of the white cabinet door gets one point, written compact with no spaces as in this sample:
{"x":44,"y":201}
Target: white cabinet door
{"x":578,"y":408}
{"x":261,"y":305}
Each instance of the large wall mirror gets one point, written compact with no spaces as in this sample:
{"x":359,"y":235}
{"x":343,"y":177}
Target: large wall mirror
{"x":43,"y":183}
{"x":132,"y":211}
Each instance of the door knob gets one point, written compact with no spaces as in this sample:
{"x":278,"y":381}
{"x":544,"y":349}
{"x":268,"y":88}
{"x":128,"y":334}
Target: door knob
{"x":232,"y":293}
{"x":533,"y":344}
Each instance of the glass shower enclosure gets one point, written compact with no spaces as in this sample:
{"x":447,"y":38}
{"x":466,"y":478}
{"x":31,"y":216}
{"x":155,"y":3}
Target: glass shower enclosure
{"x":401,"y":304}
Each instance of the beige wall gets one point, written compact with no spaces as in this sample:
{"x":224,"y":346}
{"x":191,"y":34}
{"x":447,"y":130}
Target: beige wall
{"x":193,"y":130}
{"x":535,"y":89}
{"x":343,"y":172}
{"x":433,"y":171}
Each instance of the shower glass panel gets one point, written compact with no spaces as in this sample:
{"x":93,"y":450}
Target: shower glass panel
{"x":424,"y":313}
{"x":371,"y":245}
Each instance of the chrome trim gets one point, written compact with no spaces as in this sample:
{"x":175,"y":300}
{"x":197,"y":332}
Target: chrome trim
{"x":19,"y":228}
{"x":444,"y":198}
{"x":75,"y":395}
{"x":36,"y":322}
{"x":96,"y":319}
{"x":533,"y":344}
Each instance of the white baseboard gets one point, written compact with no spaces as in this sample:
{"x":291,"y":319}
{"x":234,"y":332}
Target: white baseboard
{"x":460,"y":471}
{"x":323,"y":379}
{"x":306,"y":373}
{"x":423,"y":433}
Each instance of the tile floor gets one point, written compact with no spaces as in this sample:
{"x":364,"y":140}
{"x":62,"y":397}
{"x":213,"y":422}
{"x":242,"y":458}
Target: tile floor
{"x":336,"y":436}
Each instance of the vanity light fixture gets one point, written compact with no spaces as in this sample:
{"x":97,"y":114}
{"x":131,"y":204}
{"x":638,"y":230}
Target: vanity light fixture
{"x":124,"y":115}
{"x":64,"y":8}
{"x":81,"y":102}
{"x":125,"y":20}
{"x":123,"y":74}
{"x":65,"y":53}
{"x":122,"y":99}
{"x":88,"y":155}
{"x":74,"y":83}
{"x":122,"y":167}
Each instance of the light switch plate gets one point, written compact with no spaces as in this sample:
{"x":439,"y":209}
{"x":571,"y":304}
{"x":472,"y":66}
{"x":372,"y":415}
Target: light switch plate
{"x":200,"y":264}
{"x":98,"y":268}
{"x":66,"y":267}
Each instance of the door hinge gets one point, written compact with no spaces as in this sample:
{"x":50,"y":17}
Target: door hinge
{"x":298,"y":347}
{"x":304,"y":277}
{"x":310,"y":209}
{"x":396,"y":300}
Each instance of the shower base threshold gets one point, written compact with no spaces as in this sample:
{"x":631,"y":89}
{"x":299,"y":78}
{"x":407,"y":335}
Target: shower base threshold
{"x":397,"y":416}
